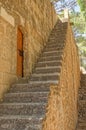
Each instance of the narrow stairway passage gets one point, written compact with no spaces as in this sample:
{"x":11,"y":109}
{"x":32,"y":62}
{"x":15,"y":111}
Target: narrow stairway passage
{"x":24,"y":106}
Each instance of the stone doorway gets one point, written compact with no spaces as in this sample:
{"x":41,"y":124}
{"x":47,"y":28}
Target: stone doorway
{"x":19,"y":53}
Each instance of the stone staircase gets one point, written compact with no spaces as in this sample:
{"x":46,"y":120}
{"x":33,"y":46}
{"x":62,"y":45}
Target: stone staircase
{"x":82,"y":104}
{"x":24,"y":106}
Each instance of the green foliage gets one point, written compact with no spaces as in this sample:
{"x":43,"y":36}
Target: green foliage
{"x":82,"y":4}
{"x":79,"y":22}
{"x":82,"y":51}
{"x":80,"y":29}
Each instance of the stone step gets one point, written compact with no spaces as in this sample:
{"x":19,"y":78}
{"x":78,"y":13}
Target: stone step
{"x":22,"y":108}
{"x":33,"y":127}
{"x":81,"y":128}
{"x":82,"y":93}
{"x":49,"y":82}
{"x":56,"y":40}
{"x":22,"y":80}
{"x":82,"y":97}
{"x":82,"y":113}
{"x":26,"y":97}
{"x":83,"y":84}
{"x":44,"y":77}
{"x":54,"y":45}
{"x":50,"y":58}
{"x":82,"y":104}
{"x":30,"y":87}
{"x":82,"y":90}
{"x":83,"y":124}
{"x":20,"y":122}
{"x":52,"y":53}
{"x":53,"y":48}
{"x":82,"y":120}
{"x":49,"y":64}
{"x":82,"y":108}
{"x":48,"y":70}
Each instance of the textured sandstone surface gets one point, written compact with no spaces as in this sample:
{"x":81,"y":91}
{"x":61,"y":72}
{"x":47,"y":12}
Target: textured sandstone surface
{"x":36,"y":19}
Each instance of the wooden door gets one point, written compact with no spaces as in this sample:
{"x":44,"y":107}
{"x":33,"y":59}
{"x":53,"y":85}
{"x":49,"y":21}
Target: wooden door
{"x":20,"y":54}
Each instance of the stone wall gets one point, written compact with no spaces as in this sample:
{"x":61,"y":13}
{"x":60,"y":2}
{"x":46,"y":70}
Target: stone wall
{"x":7,"y":55}
{"x":62,"y":106}
{"x":35,"y":18}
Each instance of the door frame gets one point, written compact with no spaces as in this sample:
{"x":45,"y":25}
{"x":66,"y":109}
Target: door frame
{"x":22,"y":41}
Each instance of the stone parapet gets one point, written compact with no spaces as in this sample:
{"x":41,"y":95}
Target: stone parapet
{"x":62,"y":104}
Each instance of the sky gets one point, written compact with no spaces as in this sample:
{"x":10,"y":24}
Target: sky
{"x":77,"y":8}
{"x":72,"y":4}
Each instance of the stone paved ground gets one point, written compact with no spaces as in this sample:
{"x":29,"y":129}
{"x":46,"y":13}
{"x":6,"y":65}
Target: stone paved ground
{"x":82,"y":104}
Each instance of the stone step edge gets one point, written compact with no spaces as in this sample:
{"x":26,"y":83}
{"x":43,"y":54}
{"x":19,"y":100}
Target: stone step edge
{"x":22,"y":104}
{"x":49,"y":46}
{"x":10,"y":117}
{"x":51,"y":56}
{"x":28,"y":85}
{"x":52,"y":61}
{"x":25,"y":93}
{"x":50,"y":82}
{"x":46,"y":62}
{"x":36,"y":83}
{"x":50,"y":51}
{"x":34,"y":126}
{"x":47,"y":67}
{"x":44,"y":75}
{"x":56,"y":61}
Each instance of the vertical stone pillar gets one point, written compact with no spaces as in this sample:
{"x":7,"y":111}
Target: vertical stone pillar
{"x":66,"y":13}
